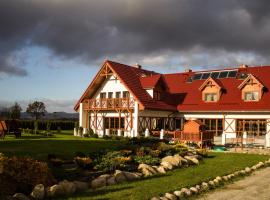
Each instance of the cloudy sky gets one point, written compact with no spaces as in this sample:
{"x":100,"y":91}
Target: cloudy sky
{"x":50,"y":50}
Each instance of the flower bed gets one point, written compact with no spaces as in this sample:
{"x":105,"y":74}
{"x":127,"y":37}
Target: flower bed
{"x":139,"y":158}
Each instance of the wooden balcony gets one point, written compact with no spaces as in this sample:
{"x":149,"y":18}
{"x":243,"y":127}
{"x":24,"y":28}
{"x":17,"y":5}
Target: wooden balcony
{"x":109,"y":104}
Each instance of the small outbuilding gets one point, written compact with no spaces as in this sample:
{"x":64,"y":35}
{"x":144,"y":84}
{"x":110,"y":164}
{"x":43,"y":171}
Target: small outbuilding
{"x":3,"y":128}
{"x":194,"y":131}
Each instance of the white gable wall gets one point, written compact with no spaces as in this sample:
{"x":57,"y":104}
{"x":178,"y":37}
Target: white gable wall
{"x":111,"y":84}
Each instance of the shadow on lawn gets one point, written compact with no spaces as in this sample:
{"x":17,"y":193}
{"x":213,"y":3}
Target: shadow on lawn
{"x":101,"y":191}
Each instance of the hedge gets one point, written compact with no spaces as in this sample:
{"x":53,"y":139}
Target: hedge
{"x":42,"y":124}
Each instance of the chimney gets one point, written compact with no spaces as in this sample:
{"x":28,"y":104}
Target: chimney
{"x":243,"y":66}
{"x":188,"y":70}
{"x":138,"y":66}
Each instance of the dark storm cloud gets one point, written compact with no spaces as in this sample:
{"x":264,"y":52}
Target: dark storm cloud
{"x":94,"y":29}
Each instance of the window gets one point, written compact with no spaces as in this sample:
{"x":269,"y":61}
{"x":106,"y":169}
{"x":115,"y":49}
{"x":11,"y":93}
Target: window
{"x":117,"y":94}
{"x":157,"y":95}
{"x":113,"y":123}
{"x":213,"y":125}
{"x":110,"y":95}
{"x":210,"y":97}
{"x":253,"y":127}
{"x":126,"y":94}
{"x":103,"y":95}
{"x":251,"y":96}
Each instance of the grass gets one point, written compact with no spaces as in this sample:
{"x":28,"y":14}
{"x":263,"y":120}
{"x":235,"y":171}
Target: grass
{"x":220,"y":164}
{"x":63,"y":145}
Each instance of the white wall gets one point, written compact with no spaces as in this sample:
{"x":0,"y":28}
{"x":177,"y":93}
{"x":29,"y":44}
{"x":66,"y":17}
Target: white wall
{"x":151,"y":92}
{"x":111,"y":85}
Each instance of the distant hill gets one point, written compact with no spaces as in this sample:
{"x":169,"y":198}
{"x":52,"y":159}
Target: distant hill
{"x":54,"y":115}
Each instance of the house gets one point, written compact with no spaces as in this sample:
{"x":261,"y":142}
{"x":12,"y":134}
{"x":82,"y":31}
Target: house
{"x":129,"y":100}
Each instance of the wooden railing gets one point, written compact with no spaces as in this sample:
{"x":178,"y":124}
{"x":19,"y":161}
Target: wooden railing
{"x":109,"y":104}
{"x":193,"y":137}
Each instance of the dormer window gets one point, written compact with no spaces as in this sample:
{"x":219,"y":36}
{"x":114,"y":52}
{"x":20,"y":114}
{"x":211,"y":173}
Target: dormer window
{"x":251,"y":96}
{"x":157,"y":95}
{"x":210,"y":97}
{"x":252,"y":89}
{"x":211,"y":90}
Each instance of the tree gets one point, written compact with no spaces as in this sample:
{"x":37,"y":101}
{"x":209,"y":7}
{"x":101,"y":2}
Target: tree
{"x":15,"y":111}
{"x":4,"y":113}
{"x":36,"y":109}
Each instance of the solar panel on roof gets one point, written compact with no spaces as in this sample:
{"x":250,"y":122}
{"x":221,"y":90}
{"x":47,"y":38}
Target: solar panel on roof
{"x":205,"y":75}
{"x":232,"y":74}
{"x":223,"y":74}
{"x":197,"y":76}
{"x":214,"y":74}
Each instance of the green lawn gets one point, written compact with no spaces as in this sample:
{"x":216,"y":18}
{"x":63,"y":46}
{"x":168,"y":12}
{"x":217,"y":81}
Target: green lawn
{"x":220,"y":164}
{"x":63,"y":145}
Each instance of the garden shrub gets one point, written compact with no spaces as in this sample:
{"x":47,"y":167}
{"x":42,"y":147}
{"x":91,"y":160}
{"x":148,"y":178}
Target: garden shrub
{"x":94,"y":135}
{"x":113,"y":160}
{"x":83,"y":162}
{"x":86,"y":135}
{"x":42,"y":124}
{"x":147,"y":159}
{"x":21,"y":174}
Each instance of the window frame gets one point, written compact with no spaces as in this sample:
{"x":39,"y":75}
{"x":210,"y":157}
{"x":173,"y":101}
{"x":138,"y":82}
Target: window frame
{"x":251,"y":100}
{"x":208,"y":93}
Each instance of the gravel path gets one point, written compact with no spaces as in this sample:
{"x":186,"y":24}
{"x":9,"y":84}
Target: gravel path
{"x":254,"y":187}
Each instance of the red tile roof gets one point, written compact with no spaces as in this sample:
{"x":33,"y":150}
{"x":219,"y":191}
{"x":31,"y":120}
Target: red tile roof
{"x":149,"y":82}
{"x":185,"y":96}
{"x":131,"y":78}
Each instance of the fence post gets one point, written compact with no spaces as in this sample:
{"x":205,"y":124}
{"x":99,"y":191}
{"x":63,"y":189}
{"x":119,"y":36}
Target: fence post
{"x":161,"y":136}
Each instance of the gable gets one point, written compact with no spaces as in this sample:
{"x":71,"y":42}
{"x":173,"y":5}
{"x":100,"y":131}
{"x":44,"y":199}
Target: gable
{"x":129,"y":77}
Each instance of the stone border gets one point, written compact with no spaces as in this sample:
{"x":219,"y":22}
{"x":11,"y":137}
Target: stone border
{"x":185,"y":193}
{"x":66,"y":188}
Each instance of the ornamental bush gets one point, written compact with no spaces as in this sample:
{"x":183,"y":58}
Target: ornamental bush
{"x":113,"y":160}
{"x":147,"y":159}
{"x":21,"y":174}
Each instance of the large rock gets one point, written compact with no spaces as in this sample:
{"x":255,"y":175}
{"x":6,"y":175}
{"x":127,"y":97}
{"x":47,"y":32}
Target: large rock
{"x":204,"y":186}
{"x":160,"y":169}
{"x":111,"y":181}
{"x":100,"y":181}
{"x":192,"y":160}
{"x":170,"y":196}
{"x":38,"y":192}
{"x":179,"y":194}
{"x":171,"y":159}
{"x":248,"y":170}
{"x":119,"y":176}
{"x":68,"y":187}
{"x":20,"y":196}
{"x":166,"y":165}
{"x":186,"y":192}
{"x":80,"y":186}
{"x":194,"y":190}
{"x":55,"y":190}
{"x":131,"y":176}
{"x":147,"y":170}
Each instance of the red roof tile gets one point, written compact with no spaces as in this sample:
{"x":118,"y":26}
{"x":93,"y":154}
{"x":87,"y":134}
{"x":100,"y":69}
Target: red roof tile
{"x":186,"y":97}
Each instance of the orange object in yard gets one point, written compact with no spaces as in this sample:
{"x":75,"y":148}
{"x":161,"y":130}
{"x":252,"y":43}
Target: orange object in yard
{"x":194,"y":131}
